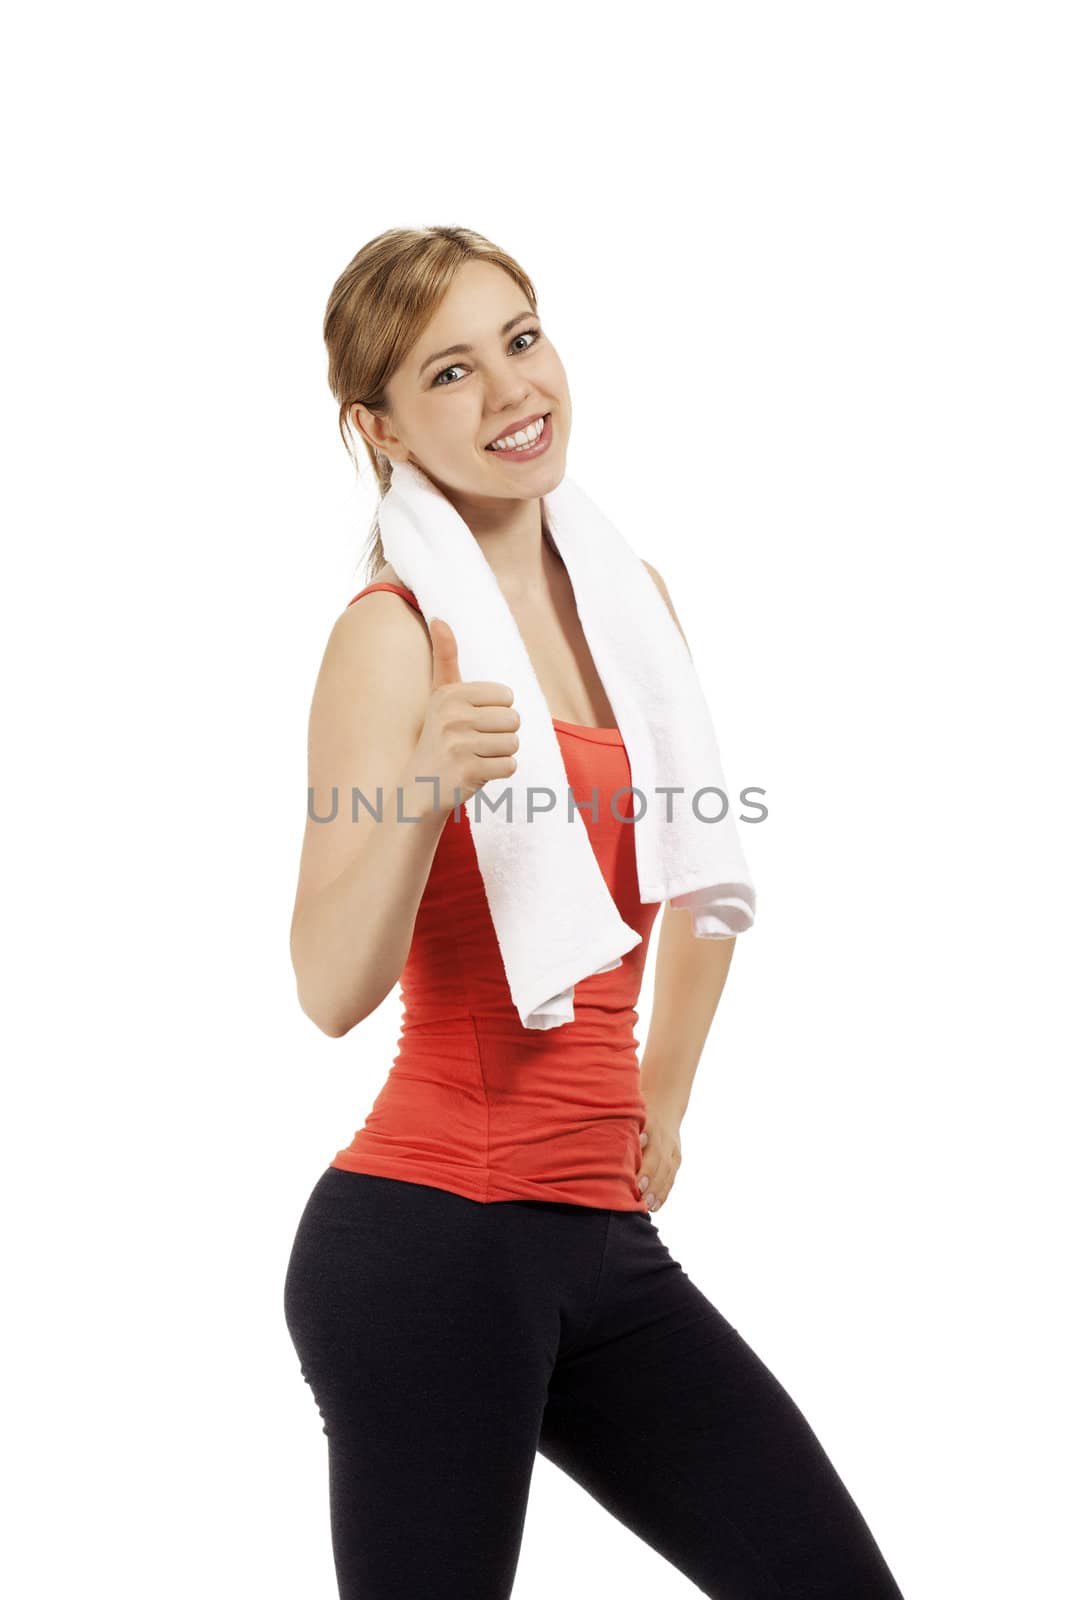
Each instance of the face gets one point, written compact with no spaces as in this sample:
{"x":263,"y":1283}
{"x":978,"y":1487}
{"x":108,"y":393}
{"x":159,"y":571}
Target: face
{"x":446,"y":404}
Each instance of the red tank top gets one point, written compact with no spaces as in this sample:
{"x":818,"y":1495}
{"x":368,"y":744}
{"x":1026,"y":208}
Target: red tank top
{"x":475,"y":1102}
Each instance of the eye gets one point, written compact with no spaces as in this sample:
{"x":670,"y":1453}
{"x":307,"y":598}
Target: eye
{"x":533,"y":334}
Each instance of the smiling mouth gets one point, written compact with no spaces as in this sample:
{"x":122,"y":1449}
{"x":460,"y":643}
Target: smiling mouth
{"x":532,"y":447}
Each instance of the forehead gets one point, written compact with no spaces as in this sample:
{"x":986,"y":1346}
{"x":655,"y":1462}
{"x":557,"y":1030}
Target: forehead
{"x":478,"y":302}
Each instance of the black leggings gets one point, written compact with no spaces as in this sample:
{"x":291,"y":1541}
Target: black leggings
{"x":446,"y":1342}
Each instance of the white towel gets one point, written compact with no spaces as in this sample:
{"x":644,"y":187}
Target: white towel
{"x":554,"y":917}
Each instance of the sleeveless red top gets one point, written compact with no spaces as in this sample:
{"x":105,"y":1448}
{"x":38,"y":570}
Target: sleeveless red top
{"x":475,"y":1102}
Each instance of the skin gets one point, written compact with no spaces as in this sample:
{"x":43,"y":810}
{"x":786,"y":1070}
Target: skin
{"x":355,"y":906}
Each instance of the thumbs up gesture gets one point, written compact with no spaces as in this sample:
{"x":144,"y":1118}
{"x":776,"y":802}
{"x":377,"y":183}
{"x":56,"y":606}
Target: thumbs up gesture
{"x":468,"y":737}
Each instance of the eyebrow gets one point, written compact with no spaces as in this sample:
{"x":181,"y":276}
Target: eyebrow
{"x":465,"y":349}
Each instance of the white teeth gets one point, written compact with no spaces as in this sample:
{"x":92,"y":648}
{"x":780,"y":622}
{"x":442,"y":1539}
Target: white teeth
{"x":521,"y":440}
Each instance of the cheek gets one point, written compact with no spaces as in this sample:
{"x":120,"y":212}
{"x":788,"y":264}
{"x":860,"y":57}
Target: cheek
{"x":564,"y":394}
{"x":557,"y":378}
{"x":450,"y":427}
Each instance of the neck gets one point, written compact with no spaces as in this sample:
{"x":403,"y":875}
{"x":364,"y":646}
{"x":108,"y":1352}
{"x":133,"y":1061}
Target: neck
{"x":515,"y":542}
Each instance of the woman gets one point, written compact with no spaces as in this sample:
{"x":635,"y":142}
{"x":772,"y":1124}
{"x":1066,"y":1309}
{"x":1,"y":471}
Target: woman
{"x":477,"y":1277}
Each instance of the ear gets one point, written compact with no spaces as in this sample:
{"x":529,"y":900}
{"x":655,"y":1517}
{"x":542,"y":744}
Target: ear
{"x":374,"y":429}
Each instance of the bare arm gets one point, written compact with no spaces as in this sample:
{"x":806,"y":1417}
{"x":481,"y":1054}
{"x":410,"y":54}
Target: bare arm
{"x":360,"y":883}
{"x":690,"y":978}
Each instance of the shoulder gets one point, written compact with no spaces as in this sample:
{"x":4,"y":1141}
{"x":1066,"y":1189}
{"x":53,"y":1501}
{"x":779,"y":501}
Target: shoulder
{"x":378,"y":638}
{"x":383,"y":586}
{"x":371,"y":691}
{"x":662,"y":587}
{"x":382,"y":603}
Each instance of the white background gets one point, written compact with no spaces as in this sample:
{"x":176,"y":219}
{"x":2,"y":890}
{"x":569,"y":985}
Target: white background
{"x":804,"y":266}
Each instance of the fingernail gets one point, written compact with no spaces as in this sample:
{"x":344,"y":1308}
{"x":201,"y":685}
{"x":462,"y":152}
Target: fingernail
{"x":643,"y":1184}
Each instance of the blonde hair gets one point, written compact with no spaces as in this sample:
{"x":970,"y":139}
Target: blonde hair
{"x":377,"y":309}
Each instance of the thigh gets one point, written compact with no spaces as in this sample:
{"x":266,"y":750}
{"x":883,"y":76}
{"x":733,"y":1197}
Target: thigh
{"x":431,"y":1417}
{"x":672,"y":1422}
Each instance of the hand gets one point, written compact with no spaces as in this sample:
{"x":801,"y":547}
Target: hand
{"x":469,"y":734}
{"x":661,"y":1142}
